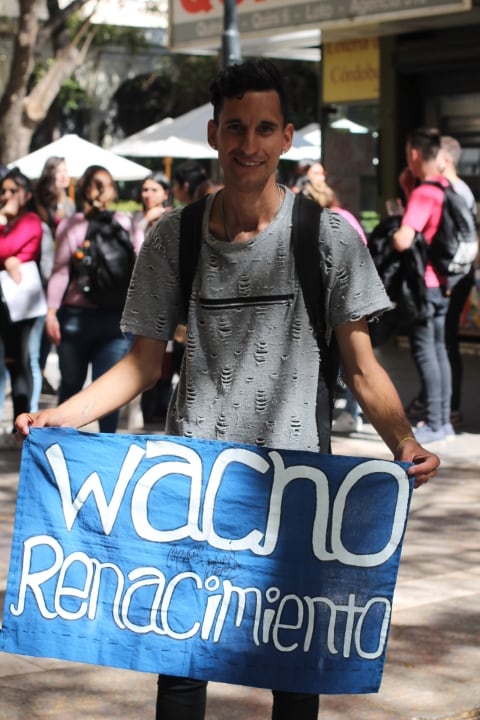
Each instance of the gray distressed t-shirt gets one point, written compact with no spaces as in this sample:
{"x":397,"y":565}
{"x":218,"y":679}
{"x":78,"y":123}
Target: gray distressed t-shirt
{"x":251,"y":365}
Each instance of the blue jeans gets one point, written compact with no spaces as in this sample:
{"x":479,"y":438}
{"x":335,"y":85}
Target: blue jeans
{"x":34,"y":349}
{"x":429,"y":351}
{"x":89,"y":336}
{"x":351,"y":404}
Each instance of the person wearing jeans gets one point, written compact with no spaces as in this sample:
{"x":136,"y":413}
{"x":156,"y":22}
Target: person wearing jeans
{"x":247,"y":316}
{"x":20,"y":242}
{"x":427,"y":339}
{"x":433,"y":366}
{"x":90,"y":336}
{"x":84,"y":333}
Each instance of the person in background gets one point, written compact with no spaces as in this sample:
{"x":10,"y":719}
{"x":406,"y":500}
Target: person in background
{"x":151,"y":406}
{"x":298,"y":179}
{"x":350,"y":419}
{"x":450,"y":156}
{"x":51,"y":193}
{"x":3,"y":370}
{"x":448,"y":159}
{"x":427,"y":338}
{"x":155,"y":199}
{"x":83,"y":333}
{"x":190,"y":182}
{"x":20,"y":242}
{"x":247,"y":232}
{"x":316,"y":173}
{"x":52,"y":204}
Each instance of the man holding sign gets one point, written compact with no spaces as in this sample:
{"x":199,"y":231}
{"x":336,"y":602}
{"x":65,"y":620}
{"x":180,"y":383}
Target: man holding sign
{"x":251,"y":371}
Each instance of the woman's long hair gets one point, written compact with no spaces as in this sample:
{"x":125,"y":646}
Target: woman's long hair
{"x":46,"y":192}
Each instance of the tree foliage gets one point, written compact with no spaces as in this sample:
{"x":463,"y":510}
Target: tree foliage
{"x":182,"y":83}
{"x":44,"y":55}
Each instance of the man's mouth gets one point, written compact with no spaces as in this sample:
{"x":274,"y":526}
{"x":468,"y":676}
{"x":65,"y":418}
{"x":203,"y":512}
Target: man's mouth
{"x":249,"y":163}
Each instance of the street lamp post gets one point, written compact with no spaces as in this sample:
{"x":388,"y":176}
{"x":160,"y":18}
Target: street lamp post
{"x":231,"y":51}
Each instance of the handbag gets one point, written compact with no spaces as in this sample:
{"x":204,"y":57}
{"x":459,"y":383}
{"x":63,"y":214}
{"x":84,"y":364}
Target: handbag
{"x":26,"y":299}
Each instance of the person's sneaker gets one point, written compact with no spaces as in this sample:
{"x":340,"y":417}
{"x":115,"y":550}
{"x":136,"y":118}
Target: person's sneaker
{"x":346,"y":423}
{"x":448,"y":431}
{"x":424,"y":434}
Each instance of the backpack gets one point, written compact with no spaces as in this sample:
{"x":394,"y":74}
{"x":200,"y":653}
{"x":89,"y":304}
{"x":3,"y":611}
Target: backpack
{"x":454,"y":246}
{"x":103,"y":265}
{"x":308,"y":264}
{"x":403,"y":276}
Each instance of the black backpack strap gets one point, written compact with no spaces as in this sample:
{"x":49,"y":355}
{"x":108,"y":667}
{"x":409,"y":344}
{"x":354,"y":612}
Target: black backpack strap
{"x":190,"y":242}
{"x":305,"y":234}
{"x":308,"y":263}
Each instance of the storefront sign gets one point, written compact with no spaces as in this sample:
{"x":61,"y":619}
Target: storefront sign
{"x":198,"y":24}
{"x":211,"y":560}
{"x":351,"y":70}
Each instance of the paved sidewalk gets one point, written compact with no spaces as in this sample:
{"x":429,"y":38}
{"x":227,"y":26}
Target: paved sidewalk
{"x":433,"y":662}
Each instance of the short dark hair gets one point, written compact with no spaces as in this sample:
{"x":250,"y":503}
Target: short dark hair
{"x":426,"y":140}
{"x":190,"y":172}
{"x":252,"y":76}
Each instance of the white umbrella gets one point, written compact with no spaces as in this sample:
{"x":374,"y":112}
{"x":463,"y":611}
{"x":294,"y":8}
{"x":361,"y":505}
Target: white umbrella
{"x":79,"y":154}
{"x":160,"y":140}
{"x":312,"y":134}
{"x":186,"y":136}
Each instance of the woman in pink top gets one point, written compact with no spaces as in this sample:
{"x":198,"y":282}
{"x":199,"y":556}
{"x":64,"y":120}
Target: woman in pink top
{"x":20,"y":242}
{"x":84,"y":333}
{"x":350,"y":419}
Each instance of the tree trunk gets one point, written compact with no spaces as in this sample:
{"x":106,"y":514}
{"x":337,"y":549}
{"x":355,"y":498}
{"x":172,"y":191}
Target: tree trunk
{"x":12,"y":138}
{"x":20,"y":113}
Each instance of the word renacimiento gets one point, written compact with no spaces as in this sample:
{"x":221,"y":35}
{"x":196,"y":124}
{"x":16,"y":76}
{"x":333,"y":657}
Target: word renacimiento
{"x":72,"y":586}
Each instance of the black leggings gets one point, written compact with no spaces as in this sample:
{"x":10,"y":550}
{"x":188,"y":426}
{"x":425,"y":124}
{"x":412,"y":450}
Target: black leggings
{"x":186,"y":699}
{"x":15,"y":338}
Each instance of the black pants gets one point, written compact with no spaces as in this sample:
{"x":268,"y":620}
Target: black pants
{"x":458,"y":298}
{"x":15,"y":338}
{"x":186,"y":699}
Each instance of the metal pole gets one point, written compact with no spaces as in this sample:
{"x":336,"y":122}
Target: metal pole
{"x":231,"y":51}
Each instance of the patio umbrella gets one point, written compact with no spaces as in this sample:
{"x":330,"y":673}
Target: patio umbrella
{"x":186,"y":136}
{"x":79,"y":154}
{"x":161,"y":140}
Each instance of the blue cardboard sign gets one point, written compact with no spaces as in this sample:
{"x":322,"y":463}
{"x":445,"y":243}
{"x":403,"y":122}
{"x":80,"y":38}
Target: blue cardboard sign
{"x":213,"y":560}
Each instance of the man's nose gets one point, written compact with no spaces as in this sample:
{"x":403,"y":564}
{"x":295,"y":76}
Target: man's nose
{"x":249,"y":142}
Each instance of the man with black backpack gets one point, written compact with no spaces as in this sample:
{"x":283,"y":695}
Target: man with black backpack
{"x":253,"y":370}
{"x":423,"y":214}
{"x":460,"y":283}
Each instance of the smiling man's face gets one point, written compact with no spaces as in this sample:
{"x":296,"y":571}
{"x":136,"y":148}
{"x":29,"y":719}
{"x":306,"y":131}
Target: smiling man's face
{"x":250,"y":137}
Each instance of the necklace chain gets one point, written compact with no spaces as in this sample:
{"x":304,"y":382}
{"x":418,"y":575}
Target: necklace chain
{"x":228,"y":237}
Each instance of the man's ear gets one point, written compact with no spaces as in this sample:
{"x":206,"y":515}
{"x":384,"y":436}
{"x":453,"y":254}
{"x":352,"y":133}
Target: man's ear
{"x":212,"y":134}
{"x":287,"y":137}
